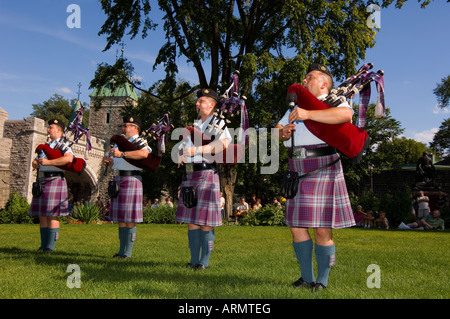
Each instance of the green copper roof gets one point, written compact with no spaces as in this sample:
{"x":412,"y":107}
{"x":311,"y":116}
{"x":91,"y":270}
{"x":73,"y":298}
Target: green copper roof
{"x":109,"y":91}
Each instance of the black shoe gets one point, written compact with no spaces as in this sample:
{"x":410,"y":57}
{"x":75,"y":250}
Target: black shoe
{"x":318,"y":286}
{"x":300,"y":283}
{"x":121,"y":256}
{"x":201,"y":267}
{"x":48,"y":250}
{"x":189,"y":265}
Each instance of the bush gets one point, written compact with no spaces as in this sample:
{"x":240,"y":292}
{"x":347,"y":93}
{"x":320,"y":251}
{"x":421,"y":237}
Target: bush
{"x":269,"y":215}
{"x":86,"y":213}
{"x":160,"y":215}
{"x":445,"y":215}
{"x":16,"y":211}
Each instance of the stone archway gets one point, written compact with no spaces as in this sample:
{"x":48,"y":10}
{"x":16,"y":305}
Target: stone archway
{"x":82,"y":186}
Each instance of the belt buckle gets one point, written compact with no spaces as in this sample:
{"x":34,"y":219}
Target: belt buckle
{"x":189,"y":168}
{"x":300,"y":152}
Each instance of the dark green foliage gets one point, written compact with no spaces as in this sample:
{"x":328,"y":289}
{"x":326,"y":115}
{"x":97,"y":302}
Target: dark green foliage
{"x":268,"y":215}
{"x":86,"y":213}
{"x":160,"y":215}
{"x":16,"y":211}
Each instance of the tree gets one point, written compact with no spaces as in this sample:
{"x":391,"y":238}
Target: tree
{"x":228,"y":35}
{"x":441,"y":140}
{"x":442,"y":92}
{"x":381,"y":131}
{"x":401,"y":150}
{"x":59,"y":108}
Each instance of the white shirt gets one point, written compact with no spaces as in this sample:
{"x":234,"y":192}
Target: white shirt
{"x":303,"y":136}
{"x":121,"y":164}
{"x":202,"y":126}
{"x":51,"y":168}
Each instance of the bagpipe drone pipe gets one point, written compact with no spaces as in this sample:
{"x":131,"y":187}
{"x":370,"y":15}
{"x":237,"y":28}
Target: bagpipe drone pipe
{"x":352,"y":140}
{"x":157,"y":132}
{"x":229,"y":105}
{"x":76,"y":128}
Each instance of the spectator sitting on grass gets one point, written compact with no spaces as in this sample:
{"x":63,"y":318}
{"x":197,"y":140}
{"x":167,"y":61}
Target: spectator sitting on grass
{"x":430,"y":221}
{"x":243,"y":207}
{"x":368,"y":218}
{"x":382,"y":222}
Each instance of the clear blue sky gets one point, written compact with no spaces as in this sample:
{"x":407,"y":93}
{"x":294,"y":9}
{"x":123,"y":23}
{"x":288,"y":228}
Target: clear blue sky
{"x":40,"y":56}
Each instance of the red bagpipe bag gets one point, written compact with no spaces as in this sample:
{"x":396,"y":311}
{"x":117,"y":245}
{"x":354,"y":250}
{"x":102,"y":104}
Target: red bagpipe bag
{"x":150,"y":163}
{"x":77,"y":129}
{"x":157,"y":132}
{"x":346,"y":137}
{"x":228,"y":156}
{"x":77,"y":165}
{"x":351,"y":140}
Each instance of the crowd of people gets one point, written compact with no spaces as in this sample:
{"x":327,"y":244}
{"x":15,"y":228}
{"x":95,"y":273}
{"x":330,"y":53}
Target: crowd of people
{"x":156,"y":204}
{"x":425,"y":218}
{"x":369,"y":219}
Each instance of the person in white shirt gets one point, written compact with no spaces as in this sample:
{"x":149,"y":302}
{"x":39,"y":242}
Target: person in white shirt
{"x":53,"y":201}
{"x":204,"y":213}
{"x":321,"y":201}
{"x":126,"y":207}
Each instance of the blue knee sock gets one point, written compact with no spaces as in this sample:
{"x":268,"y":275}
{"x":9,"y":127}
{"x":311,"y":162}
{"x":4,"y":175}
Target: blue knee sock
{"x":122,"y":240}
{"x":53,"y":234}
{"x":130,"y":238}
{"x":325,"y":256}
{"x":44,"y":237}
{"x":303,"y":251}
{"x":194,"y":245}
{"x":207,"y":242}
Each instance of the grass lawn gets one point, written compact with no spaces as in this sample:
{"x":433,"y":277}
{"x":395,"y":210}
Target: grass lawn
{"x":247,"y":263}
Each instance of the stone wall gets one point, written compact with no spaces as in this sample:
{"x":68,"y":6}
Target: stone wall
{"x":26,"y":135}
{"x":5,"y":154}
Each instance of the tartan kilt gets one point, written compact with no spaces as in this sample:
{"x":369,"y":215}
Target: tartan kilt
{"x":127,"y":206}
{"x":54,"y":200}
{"x":322,"y":198}
{"x":207,"y":211}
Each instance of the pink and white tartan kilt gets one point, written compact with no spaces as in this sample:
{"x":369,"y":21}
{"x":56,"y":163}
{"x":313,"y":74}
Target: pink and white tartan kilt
{"x":127,"y":206}
{"x":207,"y":211}
{"x":322,"y":198}
{"x":54,"y":200}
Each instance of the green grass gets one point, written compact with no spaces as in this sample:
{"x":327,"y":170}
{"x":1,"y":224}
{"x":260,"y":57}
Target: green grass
{"x":247,"y":263}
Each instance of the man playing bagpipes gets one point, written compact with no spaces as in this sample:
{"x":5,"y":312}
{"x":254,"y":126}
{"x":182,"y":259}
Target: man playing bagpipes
{"x":199,"y":201}
{"x":321,"y":201}
{"x":50,"y":197}
{"x":126,"y":196}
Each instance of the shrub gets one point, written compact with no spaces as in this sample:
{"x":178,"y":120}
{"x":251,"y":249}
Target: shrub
{"x":160,"y":215}
{"x":269,"y":215}
{"x":445,"y":215}
{"x":16,"y":211}
{"x":86,"y":213}
{"x":397,"y":206}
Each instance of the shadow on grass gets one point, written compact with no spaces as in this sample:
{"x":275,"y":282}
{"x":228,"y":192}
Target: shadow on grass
{"x":139,"y":277}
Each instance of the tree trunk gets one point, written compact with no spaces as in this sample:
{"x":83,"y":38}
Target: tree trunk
{"x":227,"y":176}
